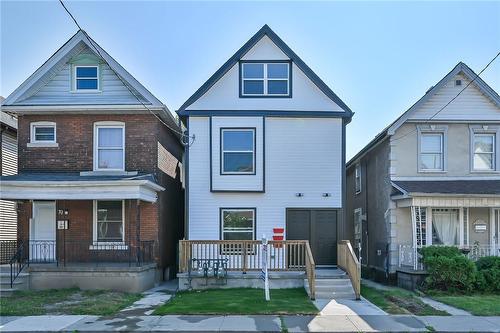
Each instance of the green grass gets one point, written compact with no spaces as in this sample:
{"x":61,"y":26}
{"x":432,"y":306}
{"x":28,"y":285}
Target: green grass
{"x":65,"y":301}
{"x":239,"y":301}
{"x":478,"y":305}
{"x":399,"y":301}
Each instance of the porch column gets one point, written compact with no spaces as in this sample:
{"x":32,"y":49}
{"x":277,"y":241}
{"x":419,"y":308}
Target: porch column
{"x":138,"y":230}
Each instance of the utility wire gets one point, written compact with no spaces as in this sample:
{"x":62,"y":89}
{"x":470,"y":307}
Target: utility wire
{"x":436,"y":113}
{"x":94,"y":46}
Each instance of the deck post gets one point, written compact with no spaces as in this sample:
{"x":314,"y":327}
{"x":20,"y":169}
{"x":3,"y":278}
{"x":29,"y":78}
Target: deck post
{"x":138,"y":230}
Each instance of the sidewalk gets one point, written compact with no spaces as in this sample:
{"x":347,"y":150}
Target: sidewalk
{"x":321,"y":323}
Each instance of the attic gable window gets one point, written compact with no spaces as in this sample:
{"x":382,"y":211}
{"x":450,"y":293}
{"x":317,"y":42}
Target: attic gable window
{"x":265,"y":79}
{"x":86,"y":78}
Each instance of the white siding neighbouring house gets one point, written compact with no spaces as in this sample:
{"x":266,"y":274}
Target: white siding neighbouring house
{"x":8,"y":214}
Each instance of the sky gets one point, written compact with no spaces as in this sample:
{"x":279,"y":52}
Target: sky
{"x":378,"y":57}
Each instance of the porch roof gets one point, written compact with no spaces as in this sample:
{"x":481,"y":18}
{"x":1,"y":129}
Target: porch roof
{"x":79,"y":186}
{"x":448,"y":187}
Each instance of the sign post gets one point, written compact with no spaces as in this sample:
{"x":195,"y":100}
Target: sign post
{"x":264,"y":274}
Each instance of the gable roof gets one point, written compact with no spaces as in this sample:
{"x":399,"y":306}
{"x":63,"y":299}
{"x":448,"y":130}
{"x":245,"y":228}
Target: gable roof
{"x":39,"y":77}
{"x":391,"y":128}
{"x":264,"y":31}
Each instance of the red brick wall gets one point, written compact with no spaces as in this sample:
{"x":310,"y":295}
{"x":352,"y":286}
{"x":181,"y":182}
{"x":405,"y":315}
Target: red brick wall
{"x":75,"y":138}
{"x":79,"y":235}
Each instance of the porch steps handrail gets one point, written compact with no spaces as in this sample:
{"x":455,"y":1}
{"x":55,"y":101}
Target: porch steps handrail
{"x":17,"y":262}
{"x":347,"y":260}
{"x":310,"y":271}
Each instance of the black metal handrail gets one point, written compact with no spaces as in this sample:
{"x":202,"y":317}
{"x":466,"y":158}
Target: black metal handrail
{"x":17,"y":263}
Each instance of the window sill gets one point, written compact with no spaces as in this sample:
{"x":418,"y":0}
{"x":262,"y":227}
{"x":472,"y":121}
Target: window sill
{"x":432,"y":171}
{"x":484,"y":171}
{"x":108,"y":246}
{"x":86,"y":91}
{"x":42,"y":144}
{"x":108,"y":173}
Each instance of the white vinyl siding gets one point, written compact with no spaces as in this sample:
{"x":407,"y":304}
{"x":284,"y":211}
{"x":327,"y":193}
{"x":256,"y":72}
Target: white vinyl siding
{"x":8,"y":213}
{"x":58,"y":86}
{"x":291,"y":159}
{"x":471,"y":104}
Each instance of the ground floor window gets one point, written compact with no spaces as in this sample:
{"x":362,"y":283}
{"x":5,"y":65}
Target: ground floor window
{"x":238,"y":224}
{"x":109,"y":221}
{"x":445,"y":226}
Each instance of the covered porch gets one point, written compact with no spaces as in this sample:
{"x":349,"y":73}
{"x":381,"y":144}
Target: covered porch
{"x":83,"y":225}
{"x":470,"y":221}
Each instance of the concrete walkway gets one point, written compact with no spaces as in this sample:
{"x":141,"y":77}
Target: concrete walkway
{"x":320,"y":323}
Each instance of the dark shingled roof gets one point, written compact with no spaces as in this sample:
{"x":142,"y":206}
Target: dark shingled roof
{"x":490,"y":187}
{"x":72,"y":176}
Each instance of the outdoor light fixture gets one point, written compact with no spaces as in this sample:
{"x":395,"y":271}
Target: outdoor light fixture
{"x":299,"y":194}
{"x":326,"y":194}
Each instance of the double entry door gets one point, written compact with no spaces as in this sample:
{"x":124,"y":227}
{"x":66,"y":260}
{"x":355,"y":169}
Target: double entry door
{"x":319,"y":227}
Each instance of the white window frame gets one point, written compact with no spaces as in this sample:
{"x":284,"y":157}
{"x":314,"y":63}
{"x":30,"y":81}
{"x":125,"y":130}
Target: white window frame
{"x":103,"y":245}
{"x":75,"y":87}
{"x":433,"y":130}
{"x":42,"y":143}
{"x":357,"y":176}
{"x":254,"y":213}
{"x":493,"y":153}
{"x":108,"y":124}
{"x":253,"y":151}
{"x":265,"y":79}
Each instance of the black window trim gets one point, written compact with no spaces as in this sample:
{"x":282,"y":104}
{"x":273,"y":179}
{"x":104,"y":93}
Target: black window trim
{"x":221,"y":157}
{"x":240,"y":77}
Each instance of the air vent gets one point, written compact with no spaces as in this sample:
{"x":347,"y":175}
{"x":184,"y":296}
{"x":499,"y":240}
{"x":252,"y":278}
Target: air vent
{"x":458,"y":83}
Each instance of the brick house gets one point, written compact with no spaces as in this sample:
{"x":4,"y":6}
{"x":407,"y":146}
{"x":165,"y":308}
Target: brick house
{"x":99,"y":187}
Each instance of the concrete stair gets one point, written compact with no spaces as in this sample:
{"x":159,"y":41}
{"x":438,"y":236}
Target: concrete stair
{"x":332,"y":284}
{"x":20,"y":283}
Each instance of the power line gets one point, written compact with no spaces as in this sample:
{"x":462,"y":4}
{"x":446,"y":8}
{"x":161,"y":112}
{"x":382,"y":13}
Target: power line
{"x":94,"y":46}
{"x":436,"y":113}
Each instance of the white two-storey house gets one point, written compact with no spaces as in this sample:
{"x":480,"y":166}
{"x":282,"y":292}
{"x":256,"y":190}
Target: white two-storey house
{"x":267,"y":151}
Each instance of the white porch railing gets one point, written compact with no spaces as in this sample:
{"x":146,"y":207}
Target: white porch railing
{"x":410,"y":258}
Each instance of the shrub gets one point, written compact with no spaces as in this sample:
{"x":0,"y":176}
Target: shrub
{"x":450,"y":272}
{"x":487,"y":263}
{"x":440,"y":251}
{"x":488,"y":275}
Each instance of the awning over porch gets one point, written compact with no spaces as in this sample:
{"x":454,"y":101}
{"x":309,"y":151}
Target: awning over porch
{"x":79,"y":186}
{"x":447,"y":193}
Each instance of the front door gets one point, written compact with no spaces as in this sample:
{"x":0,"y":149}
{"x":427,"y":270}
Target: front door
{"x":319,"y":227}
{"x":42,"y":244}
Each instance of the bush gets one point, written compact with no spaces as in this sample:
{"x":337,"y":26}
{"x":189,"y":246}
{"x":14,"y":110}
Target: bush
{"x":487,"y":263}
{"x":454,"y":273}
{"x":488,"y":275}
{"x":440,"y":251}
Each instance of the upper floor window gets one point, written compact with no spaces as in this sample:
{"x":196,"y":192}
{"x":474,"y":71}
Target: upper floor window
{"x":484,"y":151}
{"x":431,"y":151}
{"x":265,"y":79}
{"x":43,"y":132}
{"x":357,"y":177}
{"x":109,"y":146}
{"x":238,"y":150}
{"x":86,"y":78}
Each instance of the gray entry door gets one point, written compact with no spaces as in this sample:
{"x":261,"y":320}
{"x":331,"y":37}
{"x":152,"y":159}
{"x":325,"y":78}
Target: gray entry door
{"x":319,"y":226}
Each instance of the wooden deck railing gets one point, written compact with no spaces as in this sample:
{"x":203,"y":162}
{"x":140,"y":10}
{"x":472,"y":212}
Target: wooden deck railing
{"x":287,"y":255}
{"x":347,"y":260}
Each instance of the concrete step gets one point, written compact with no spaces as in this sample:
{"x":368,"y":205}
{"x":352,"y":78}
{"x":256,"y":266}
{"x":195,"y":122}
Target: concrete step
{"x":333,"y":273}
{"x":7,"y":292}
{"x":323,"y":295}
{"x":332,"y":282}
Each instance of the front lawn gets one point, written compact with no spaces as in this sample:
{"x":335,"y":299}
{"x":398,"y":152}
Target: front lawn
{"x":399,"y":301}
{"x":244,"y":301}
{"x":478,"y":305}
{"x":65,"y":301}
